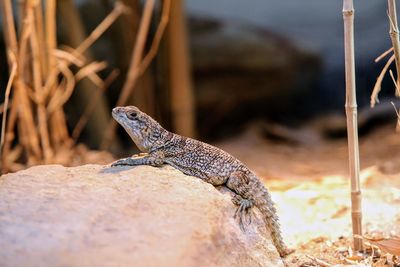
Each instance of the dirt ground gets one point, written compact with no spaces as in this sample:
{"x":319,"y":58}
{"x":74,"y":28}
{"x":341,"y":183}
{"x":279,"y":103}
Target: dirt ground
{"x":310,"y":186}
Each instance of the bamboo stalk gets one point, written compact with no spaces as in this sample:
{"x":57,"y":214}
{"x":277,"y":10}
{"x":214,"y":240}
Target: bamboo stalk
{"x":10,"y":35}
{"x":57,"y":124}
{"x":26,"y":121}
{"x":352,"y":131}
{"x":40,"y":97}
{"x":51,"y":36}
{"x":29,"y":135}
{"x":394,"y":36}
{"x":26,"y":29}
{"x":182,"y":102}
{"x":21,"y":102}
{"x":39,"y":29}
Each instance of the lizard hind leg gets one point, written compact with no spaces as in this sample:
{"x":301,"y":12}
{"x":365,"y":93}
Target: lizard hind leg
{"x":238,"y":182}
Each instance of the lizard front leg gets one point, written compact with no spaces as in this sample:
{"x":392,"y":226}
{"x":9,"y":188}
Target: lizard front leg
{"x":155,"y":159}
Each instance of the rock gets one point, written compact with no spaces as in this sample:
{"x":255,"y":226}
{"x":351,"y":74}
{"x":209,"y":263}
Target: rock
{"x":92,"y":215}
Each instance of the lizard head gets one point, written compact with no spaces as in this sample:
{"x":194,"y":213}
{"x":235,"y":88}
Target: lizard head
{"x":143,"y":129}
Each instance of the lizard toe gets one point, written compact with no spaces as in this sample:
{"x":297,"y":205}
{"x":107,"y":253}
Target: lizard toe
{"x":243,"y":211}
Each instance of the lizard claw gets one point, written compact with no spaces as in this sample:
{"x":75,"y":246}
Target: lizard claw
{"x":243,"y":211}
{"x":250,"y":216}
{"x":120,"y":162}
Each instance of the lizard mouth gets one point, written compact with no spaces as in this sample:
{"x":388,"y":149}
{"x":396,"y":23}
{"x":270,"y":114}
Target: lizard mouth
{"x":116,"y":113}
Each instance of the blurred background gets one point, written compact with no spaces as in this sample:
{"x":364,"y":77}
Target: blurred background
{"x":221,"y":67}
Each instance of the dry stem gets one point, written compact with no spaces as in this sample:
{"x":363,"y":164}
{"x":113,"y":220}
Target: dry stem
{"x":6,"y":100}
{"x":37,"y":84}
{"x":378,"y":84}
{"x":384,"y":54}
{"x":119,"y":9}
{"x":51,"y":45}
{"x":320,"y":262}
{"x":157,"y":37}
{"x":394,"y":35}
{"x":35,"y":107}
{"x":398,"y":117}
{"x":9,"y":29}
{"x":90,"y":71}
{"x":397,"y":89}
{"x":133,"y":71}
{"x":59,"y":99}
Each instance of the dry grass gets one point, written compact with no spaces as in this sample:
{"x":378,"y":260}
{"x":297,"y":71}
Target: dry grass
{"x":41,"y":81}
{"x":395,"y":49}
{"x":140,"y":63}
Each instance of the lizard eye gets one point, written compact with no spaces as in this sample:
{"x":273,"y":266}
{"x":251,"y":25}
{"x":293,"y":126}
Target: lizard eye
{"x":132,"y":115}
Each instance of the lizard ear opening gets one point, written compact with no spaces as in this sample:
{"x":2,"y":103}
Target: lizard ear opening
{"x":132,"y":115}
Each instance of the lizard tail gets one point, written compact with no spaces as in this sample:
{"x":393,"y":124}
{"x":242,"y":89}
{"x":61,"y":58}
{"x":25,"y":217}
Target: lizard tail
{"x":262,"y":200}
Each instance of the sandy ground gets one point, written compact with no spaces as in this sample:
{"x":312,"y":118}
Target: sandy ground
{"x":310,"y":186}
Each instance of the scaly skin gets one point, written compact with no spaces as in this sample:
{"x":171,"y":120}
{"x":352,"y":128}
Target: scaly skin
{"x":202,"y":160}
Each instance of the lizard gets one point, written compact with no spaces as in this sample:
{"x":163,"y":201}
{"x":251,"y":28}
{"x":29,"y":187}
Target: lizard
{"x":209,"y":163}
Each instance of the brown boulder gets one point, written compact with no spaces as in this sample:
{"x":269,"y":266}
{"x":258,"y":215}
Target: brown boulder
{"x":92,"y":215}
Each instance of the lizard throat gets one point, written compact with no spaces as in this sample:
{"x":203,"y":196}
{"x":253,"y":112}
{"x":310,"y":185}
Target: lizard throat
{"x":138,"y":140}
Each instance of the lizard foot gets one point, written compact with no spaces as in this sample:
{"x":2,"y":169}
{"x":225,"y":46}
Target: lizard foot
{"x":243,"y":211}
{"x":122,"y":162}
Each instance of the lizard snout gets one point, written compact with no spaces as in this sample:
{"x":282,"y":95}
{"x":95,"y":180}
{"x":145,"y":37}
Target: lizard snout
{"x":116,"y":112}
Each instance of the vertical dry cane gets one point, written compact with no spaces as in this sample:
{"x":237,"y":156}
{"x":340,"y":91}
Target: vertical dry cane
{"x":182,"y":99}
{"x":37,"y":85}
{"x":133,"y":72}
{"x":351,"y":114}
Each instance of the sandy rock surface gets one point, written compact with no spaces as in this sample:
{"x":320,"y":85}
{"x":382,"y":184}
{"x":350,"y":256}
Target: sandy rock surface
{"x":92,"y":215}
